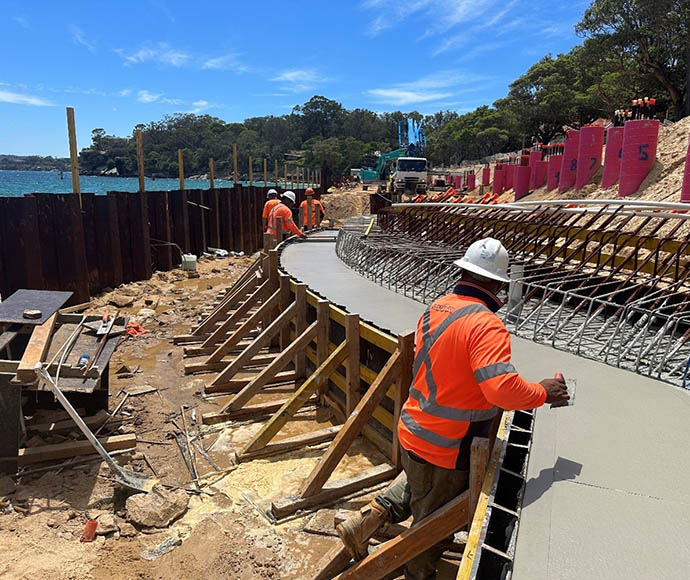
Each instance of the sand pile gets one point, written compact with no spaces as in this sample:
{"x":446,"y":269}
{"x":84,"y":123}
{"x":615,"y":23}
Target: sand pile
{"x":345,"y":203}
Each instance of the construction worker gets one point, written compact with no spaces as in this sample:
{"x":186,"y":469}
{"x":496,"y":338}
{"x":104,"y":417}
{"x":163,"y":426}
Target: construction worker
{"x":462,"y":377}
{"x":271,"y":201}
{"x":283,"y":210}
{"x":316,"y":207}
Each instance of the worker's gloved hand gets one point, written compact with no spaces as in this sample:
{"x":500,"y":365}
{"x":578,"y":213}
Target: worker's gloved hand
{"x":556,"y":391}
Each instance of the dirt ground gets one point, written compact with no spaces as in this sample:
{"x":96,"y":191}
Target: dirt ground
{"x":221,"y":535}
{"x":344,"y":203}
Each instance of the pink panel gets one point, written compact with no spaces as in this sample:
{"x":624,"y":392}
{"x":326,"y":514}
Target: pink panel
{"x":612,"y":159}
{"x":685,"y":192}
{"x":534,"y":156}
{"x":499,"y":180}
{"x":521,"y":181}
{"x":471,"y":181}
{"x":569,"y":165}
{"x":640,"y":139}
{"x":510,"y":176}
{"x":589,"y":155}
{"x":554,"y":172}
{"x":486,"y":176}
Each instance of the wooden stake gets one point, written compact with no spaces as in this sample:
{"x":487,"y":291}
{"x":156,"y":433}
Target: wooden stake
{"x":352,"y":368}
{"x":275,"y":172}
{"x":479,"y":459}
{"x":323,"y":311}
{"x":73,"y":155}
{"x":300,"y":327}
{"x":251,"y":172}
{"x":265,"y":173}
{"x":285,"y":171}
{"x":212,"y":173}
{"x":352,"y":428}
{"x":180,"y":166}
{"x":276,"y":423}
{"x":402,"y":388}
{"x":234,"y":164}
{"x":140,"y":160}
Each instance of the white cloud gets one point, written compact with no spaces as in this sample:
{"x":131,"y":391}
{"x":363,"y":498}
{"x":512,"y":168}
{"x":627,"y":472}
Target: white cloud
{"x":298,"y":80}
{"x":125,"y":92}
{"x":22,"y":21}
{"x":400,"y":97}
{"x":225,"y":62}
{"x":20,"y":99}
{"x":200,"y":106}
{"x":79,"y":38}
{"x":161,"y":53}
{"x":147,"y":97}
{"x":435,"y":16}
{"x":432,"y":88}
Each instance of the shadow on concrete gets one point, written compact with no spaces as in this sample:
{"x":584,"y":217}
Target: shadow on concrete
{"x":563,"y":469}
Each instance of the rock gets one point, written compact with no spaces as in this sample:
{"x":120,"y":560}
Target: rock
{"x":127,"y":530}
{"x":193,"y":275}
{"x":156,"y":508}
{"x":59,"y":519}
{"x":7,"y":486}
{"x":123,"y":370}
{"x":146,"y":313}
{"x":121,"y":300}
{"x":106,"y":524}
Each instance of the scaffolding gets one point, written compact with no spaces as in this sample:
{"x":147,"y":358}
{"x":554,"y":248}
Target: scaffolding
{"x":603,"y":279}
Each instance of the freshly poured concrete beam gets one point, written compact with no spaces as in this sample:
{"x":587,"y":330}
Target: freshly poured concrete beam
{"x":319,"y":268}
{"x":608,"y":492}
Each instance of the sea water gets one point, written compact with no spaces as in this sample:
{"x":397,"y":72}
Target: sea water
{"x":17,"y":183}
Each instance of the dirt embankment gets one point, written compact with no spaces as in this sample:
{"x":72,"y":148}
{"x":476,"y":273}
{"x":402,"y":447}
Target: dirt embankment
{"x":345,"y":203}
{"x":221,"y":535}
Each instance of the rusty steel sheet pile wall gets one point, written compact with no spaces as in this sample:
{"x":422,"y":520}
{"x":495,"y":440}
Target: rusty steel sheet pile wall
{"x":50,"y":242}
{"x":607,"y":281}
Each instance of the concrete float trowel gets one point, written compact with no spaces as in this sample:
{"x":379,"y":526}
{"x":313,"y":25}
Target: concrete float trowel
{"x":125,"y":477}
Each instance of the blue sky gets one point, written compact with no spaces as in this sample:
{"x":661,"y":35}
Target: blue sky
{"x":123,"y":63}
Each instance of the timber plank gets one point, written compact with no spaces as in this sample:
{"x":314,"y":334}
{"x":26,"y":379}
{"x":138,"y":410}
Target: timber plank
{"x":235,"y":385}
{"x":420,"y":537}
{"x":73,"y":449}
{"x":275,"y":424}
{"x":334,"y":490}
{"x":352,"y":428}
{"x":36,"y":350}
{"x":292,"y":443}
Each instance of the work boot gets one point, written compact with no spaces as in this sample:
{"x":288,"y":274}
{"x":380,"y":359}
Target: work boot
{"x":356,"y":531}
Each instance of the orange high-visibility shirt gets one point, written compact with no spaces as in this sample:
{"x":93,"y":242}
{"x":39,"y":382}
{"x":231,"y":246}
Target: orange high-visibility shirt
{"x":315,"y":207}
{"x":462,"y":378}
{"x":282,"y":211}
{"x":270,"y":204}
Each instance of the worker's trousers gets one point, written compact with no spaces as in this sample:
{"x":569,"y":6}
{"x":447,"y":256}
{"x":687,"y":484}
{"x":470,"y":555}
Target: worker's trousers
{"x":422,"y":489}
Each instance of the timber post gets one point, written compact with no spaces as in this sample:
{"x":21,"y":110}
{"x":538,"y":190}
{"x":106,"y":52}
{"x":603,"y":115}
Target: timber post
{"x":211,"y":173}
{"x":140,"y":160}
{"x":73,"y":154}
{"x":180,"y":165}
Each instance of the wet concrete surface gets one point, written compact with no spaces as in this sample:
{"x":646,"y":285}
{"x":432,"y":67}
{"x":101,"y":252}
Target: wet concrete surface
{"x":606,"y":494}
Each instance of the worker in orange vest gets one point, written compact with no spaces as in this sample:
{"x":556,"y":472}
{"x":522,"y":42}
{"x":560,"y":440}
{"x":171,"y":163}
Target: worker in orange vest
{"x":316,"y":207}
{"x":462,"y":377}
{"x":271,"y":201}
{"x":283,"y":210}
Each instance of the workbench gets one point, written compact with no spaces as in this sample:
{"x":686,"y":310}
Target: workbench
{"x":25,"y":342}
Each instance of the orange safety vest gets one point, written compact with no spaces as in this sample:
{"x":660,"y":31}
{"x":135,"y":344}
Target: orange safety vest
{"x":268,"y":206}
{"x":282,"y":211}
{"x":315,"y":208}
{"x":462,"y":376}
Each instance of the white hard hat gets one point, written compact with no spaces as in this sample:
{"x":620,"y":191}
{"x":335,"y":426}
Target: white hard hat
{"x":486,"y":258}
{"x":290,"y":195}
{"x":271,"y":192}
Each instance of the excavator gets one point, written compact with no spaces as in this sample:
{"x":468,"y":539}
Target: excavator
{"x":409,"y":171}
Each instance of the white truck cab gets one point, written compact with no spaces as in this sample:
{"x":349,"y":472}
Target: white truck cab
{"x":410,"y":175}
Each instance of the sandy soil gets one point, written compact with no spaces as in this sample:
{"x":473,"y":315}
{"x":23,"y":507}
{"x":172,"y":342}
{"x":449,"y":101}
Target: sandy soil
{"x":221,"y":536}
{"x":345,"y":203}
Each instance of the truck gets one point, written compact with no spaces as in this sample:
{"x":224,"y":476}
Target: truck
{"x":409,"y":176}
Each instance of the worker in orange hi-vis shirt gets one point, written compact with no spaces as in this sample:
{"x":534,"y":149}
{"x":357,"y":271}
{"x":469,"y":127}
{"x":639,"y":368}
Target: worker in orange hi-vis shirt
{"x":316,"y":207}
{"x":462,"y":378}
{"x":283,"y":210}
{"x":271,"y":201}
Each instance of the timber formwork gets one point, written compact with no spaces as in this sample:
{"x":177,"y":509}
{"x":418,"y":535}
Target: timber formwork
{"x":607,"y":280}
{"x":287,"y":335}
